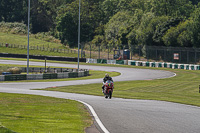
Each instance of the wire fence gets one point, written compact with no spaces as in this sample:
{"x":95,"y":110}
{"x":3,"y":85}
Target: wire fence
{"x":146,"y":53}
{"x":43,"y":48}
{"x":149,"y":53}
{"x":174,"y":54}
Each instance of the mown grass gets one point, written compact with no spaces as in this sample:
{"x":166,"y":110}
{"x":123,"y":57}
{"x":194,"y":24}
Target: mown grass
{"x":31,"y":114}
{"x":93,"y":75}
{"x":36,"y":41}
{"x":23,"y":40}
{"x":35,"y":52}
{"x":5,"y":130}
{"x":183,"y":88}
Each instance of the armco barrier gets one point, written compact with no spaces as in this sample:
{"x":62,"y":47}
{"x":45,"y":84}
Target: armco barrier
{"x":147,"y":64}
{"x":197,"y":67}
{"x":102,"y":61}
{"x":111,"y":61}
{"x":88,"y":60}
{"x":15,"y":77}
{"x":60,"y":75}
{"x":50,"y":76}
{"x":80,"y":74}
{"x":86,"y":73}
{"x":191,"y":67}
{"x":125,"y":62}
{"x":2,"y":77}
{"x":150,"y":64}
{"x":131,"y":62}
{"x":181,"y":66}
{"x":34,"y":76}
{"x":73,"y":75}
{"x":43,"y":57}
{"x":121,"y":62}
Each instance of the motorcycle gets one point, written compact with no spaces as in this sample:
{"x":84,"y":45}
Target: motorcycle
{"x":108,"y":89}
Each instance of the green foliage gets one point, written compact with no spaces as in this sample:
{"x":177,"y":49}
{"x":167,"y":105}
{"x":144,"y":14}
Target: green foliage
{"x":177,"y":36}
{"x":110,"y":22}
{"x":194,"y":27}
{"x":68,"y":29}
{"x":163,"y":28}
{"x":173,"y":8}
{"x":14,"y":28}
{"x":117,"y":28}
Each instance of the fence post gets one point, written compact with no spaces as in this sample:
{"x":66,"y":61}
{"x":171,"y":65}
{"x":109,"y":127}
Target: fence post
{"x":90,"y":51}
{"x":139,"y":51}
{"x":164,"y":54}
{"x":108,"y":52}
{"x":195,"y":57}
{"x":147,"y":52}
{"x":156,"y":54}
{"x":99,"y":51}
{"x":81,"y":50}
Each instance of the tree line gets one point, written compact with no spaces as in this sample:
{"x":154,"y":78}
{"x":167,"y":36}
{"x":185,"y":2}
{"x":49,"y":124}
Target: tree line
{"x":111,"y":22}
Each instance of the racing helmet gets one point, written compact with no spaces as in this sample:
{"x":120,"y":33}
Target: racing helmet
{"x":106,"y":75}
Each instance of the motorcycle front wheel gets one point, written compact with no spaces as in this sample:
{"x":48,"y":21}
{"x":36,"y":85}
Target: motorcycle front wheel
{"x":110,"y":94}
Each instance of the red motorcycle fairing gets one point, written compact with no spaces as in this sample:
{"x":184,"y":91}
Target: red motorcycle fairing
{"x":108,"y":89}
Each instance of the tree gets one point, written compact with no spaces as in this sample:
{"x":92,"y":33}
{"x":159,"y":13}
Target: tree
{"x":13,"y":10}
{"x":163,"y":28}
{"x":68,"y":29}
{"x":118,"y":28}
{"x":89,"y":21}
{"x":177,"y":36}
{"x":194,"y":27}
{"x":174,"y":8}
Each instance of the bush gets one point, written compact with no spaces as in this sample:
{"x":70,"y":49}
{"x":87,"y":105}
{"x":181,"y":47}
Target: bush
{"x":14,"y":28}
{"x":14,"y":70}
{"x":46,"y":36}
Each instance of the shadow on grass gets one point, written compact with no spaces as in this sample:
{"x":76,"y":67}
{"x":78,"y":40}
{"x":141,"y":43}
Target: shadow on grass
{"x":5,"y":130}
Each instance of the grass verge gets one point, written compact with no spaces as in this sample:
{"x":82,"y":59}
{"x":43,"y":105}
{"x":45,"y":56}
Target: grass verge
{"x":29,"y":113}
{"x":35,"y":52}
{"x":22,"y":40}
{"x":93,"y":75}
{"x":182,"y":88}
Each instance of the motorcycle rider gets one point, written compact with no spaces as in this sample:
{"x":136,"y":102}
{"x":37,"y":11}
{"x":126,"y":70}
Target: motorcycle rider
{"x":107,"y":77}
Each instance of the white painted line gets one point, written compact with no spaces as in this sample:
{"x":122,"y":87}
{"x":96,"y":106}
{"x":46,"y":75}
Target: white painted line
{"x":95,"y":117}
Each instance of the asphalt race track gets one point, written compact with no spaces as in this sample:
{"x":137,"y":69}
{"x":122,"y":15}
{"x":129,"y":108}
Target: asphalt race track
{"x":121,"y":115}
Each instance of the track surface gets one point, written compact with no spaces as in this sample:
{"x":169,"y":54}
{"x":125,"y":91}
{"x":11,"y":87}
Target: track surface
{"x":121,"y":115}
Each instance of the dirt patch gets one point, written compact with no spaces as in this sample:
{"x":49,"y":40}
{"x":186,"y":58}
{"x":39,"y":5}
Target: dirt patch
{"x":92,"y":129}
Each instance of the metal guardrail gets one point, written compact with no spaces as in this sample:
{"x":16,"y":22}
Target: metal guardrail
{"x":51,"y":73}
